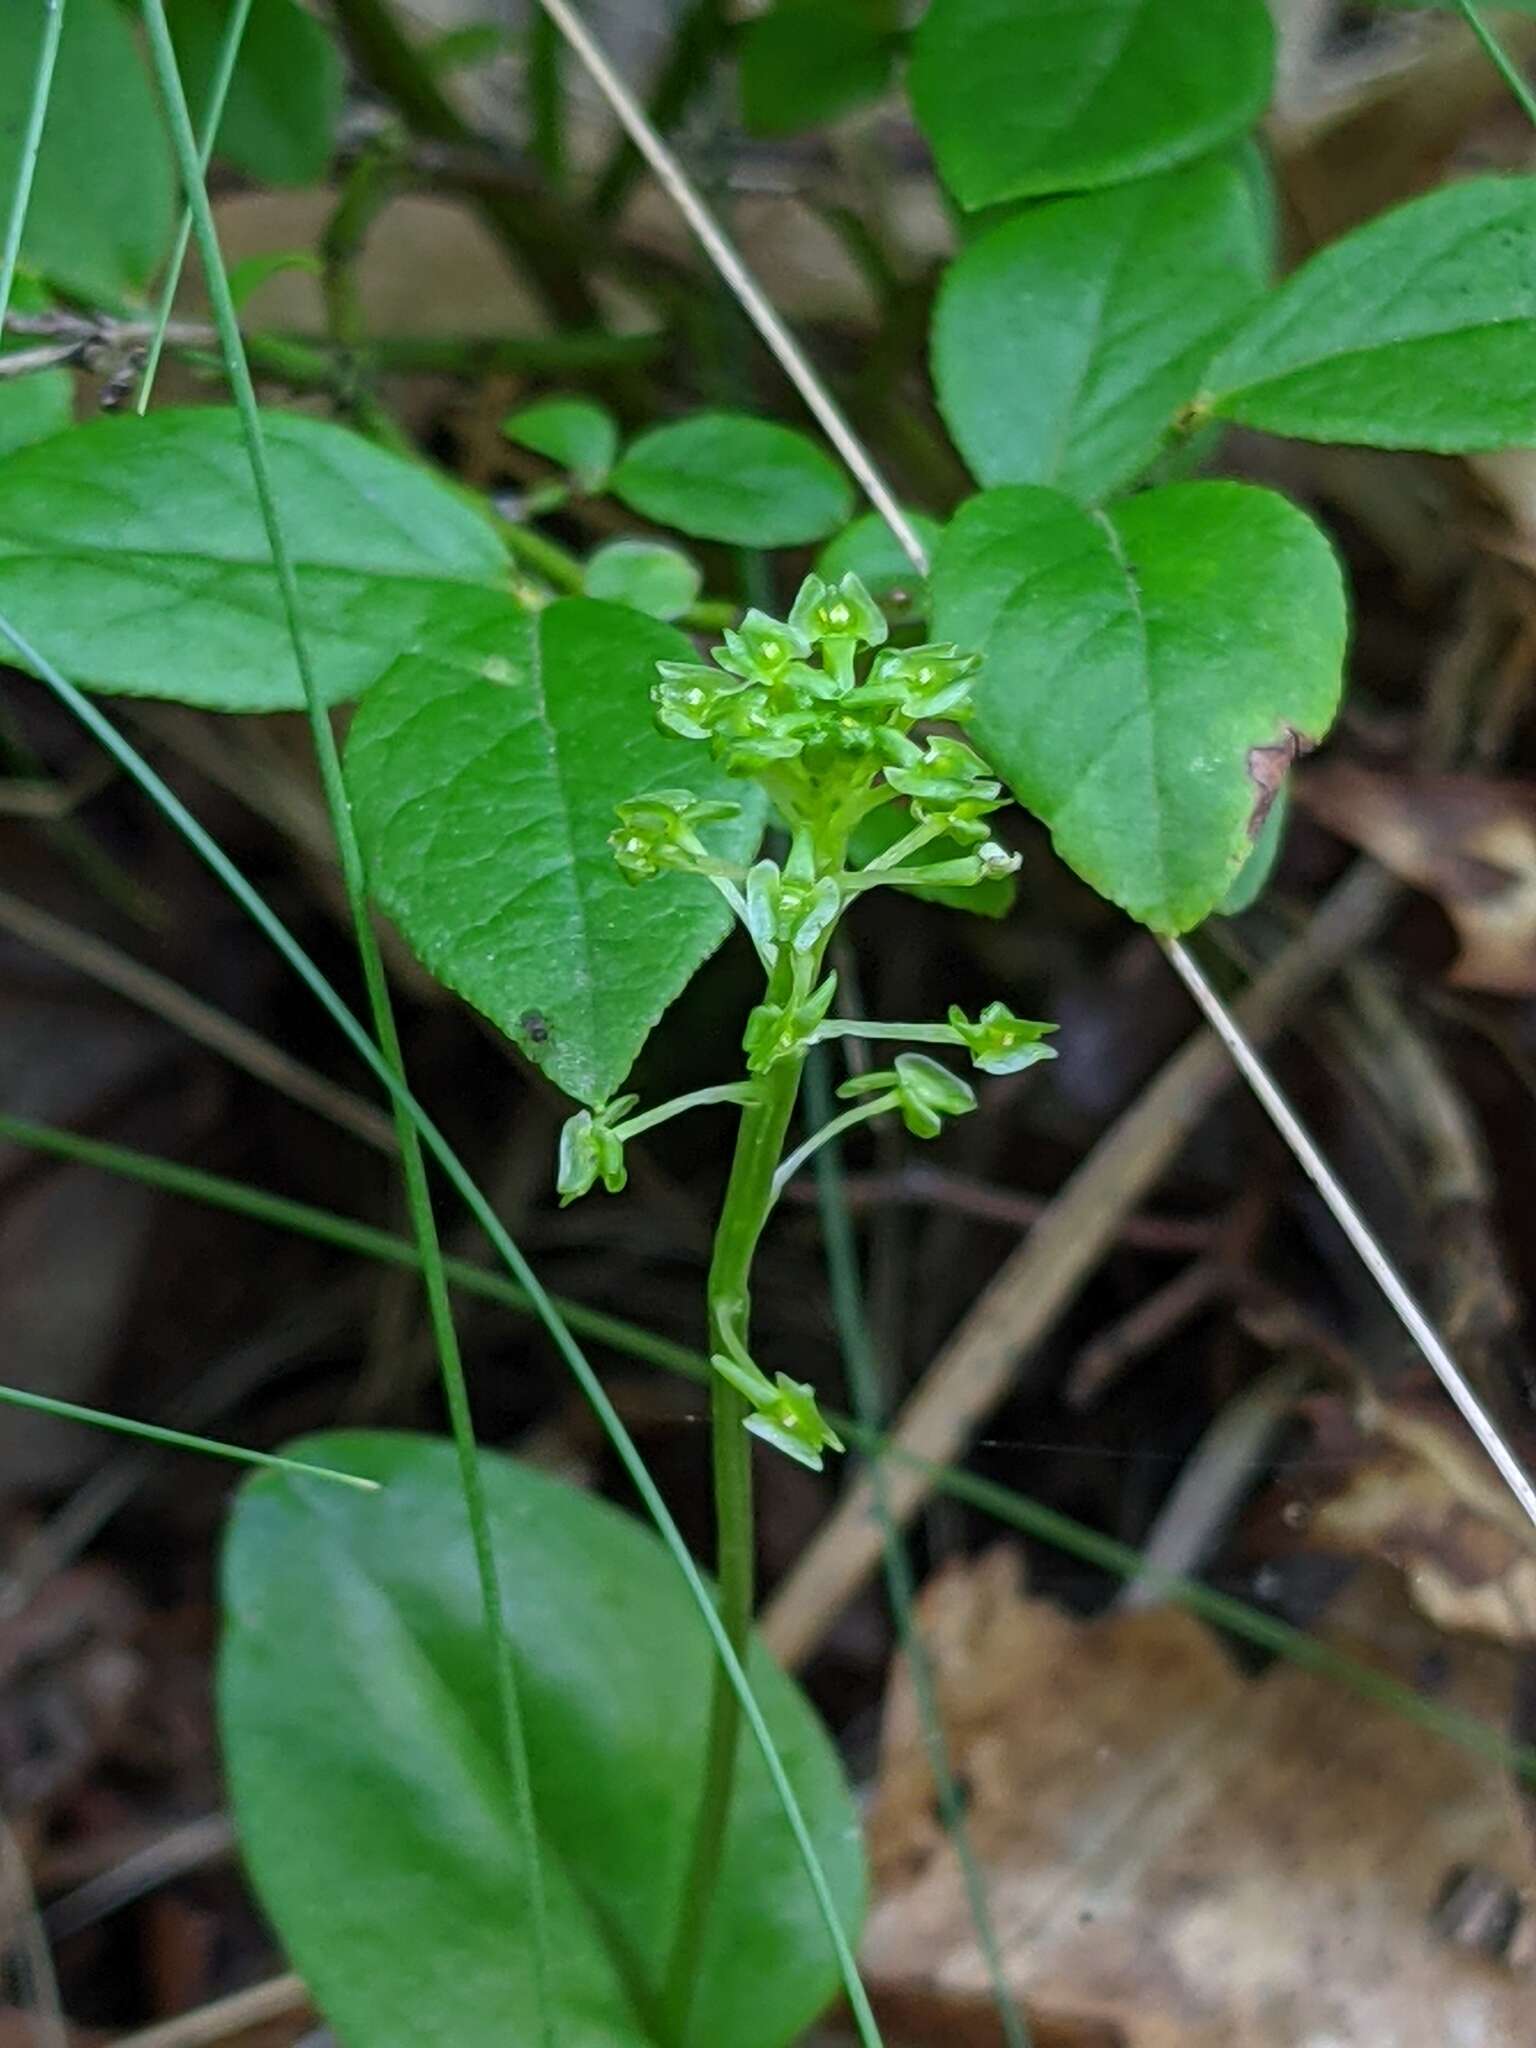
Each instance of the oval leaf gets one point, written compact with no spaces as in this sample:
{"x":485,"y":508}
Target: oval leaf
{"x":573,"y":432}
{"x":1416,"y":331}
{"x":1065,"y":340}
{"x":1024,"y":97}
{"x":133,"y":553}
{"x":1150,"y":672}
{"x":654,"y":579}
{"x":359,"y":1727}
{"x":727,"y":476}
{"x":485,"y":780}
{"x":285,"y":98}
{"x":103,"y":201}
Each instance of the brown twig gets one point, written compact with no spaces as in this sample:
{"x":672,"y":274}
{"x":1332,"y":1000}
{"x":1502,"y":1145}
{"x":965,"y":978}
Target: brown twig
{"x":279,"y":1998}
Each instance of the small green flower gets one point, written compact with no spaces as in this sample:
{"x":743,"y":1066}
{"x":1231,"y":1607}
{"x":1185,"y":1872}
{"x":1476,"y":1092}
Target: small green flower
{"x":924,"y":682}
{"x":784,"y":911}
{"x":924,"y":1092}
{"x":949,"y":772}
{"x":843,"y":612}
{"x":777,"y":1031}
{"x":761,"y":649}
{"x":1000,"y":1043}
{"x":592,"y":1150}
{"x":950,"y":786}
{"x":661,"y":830}
{"x":784,"y":1411}
{"x":688,"y":696}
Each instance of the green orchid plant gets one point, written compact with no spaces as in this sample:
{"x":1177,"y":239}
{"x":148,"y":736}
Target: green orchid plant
{"x":824,"y":716}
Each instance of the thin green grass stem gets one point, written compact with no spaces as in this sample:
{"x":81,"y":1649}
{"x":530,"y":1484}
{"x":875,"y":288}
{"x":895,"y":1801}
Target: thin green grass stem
{"x":858,"y":1350}
{"x":31,"y":144}
{"x":223,"y":71}
{"x":418,"y":1194}
{"x":177,"y":1439}
{"x":1503,"y":63}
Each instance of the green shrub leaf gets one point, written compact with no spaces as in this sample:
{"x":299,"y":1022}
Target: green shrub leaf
{"x":285,"y":98}
{"x":359,"y":1727}
{"x":133,"y":552}
{"x":1416,"y":331}
{"x":1024,"y":97}
{"x":485,"y":779}
{"x":1150,"y":672}
{"x":654,"y":579}
{"x":581,"y":437}
{"x":806,"y":62}
{"x":728,"y":476}
{"x":103,"y":202}
{"x":1066,"y":339}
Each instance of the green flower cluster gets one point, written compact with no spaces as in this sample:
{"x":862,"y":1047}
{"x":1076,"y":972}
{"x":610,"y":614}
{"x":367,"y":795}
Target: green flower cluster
{"x":785,"y":703}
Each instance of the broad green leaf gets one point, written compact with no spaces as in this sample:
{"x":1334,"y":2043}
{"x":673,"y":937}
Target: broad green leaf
{"x":485,"y":779}
{"x":1415,"y":331}
{"x":1150,"y":672}
{"x":579,"y":436}
{"x":285,"y":98}
{"x":32,"y":407}
{"x":359,"y":1730}
{"x":654,"y":579}
{"x":133,"y":554}
{"x":873,"y":553}
{"x":806,"y":62}
{"x":1025,"y":97}
{"x":102,"y":205}
{"x":1066,"y":339}
{"x":728,"y":476}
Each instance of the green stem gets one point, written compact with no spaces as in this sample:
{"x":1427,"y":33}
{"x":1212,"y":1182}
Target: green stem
{"x":827,"y":1133}
{"x":218,"y":92}
{"x":177,"y":1439}
{"x":749,"y":1197}
{"x":743,"y":1092}
{"x":413,"y":1163}
{"x":906,"y":1034}
{"x":546,"y":95}
{"x":1503,"y":63}
{"x":31,"y":144}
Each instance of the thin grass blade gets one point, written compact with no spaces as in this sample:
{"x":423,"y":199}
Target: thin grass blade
{"x":177,"y":1439}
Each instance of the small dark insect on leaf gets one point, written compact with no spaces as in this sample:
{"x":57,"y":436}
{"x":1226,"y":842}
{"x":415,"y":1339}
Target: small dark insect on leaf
{"x":533,"y":1025}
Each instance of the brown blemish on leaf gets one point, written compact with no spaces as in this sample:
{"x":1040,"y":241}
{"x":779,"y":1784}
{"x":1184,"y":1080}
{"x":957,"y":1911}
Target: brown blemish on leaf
{"x":1267,"y":769}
